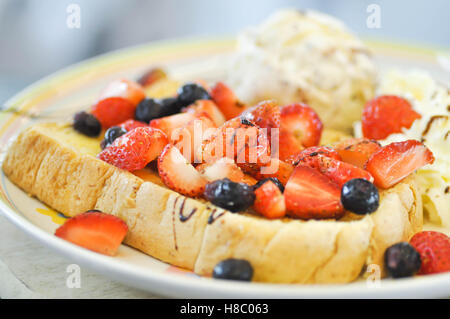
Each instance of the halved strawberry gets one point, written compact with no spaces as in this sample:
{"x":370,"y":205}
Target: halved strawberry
{"x":302,"y":122}
{"x":357,"y":151}
{"x":112,"y":111}
{"x":266,"y":115}
{"x":275,"y":168}
{"x":227,"y":102}
{"x":288,"y":146}
{"x":313,"y":151}
{"x":177,"y":174}
{"x":201,"y":107}
{"x":132,"y":124}
{"x":434,"y":250}
{"x":169,"y":124}
{"x":385,"y":115}
{"x":310,"y":194}
{"x":222,"y":168}
{"x":338,"y":171}
{"x":151,"y":76}
{"x":393,"y":162}
{"x":135,"y":149}
{"x":94,"y":230}
{"x":189,"y":137}
{"x":126,"y":89}
{"x":269,"y":201}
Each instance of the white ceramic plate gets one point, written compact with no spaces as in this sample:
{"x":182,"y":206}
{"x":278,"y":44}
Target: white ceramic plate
{"x":60,"y":95}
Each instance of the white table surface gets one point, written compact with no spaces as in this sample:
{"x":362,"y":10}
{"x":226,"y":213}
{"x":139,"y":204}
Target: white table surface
{"x":30,"y":270}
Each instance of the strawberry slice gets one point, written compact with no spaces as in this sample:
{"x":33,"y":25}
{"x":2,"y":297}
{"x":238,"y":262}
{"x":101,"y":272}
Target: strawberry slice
{"x":338,"y":171}
{"x":177,"y":174}
{"x":227,"y":102}
{"x":94,"y":230}
{"x":313,"y":151}
{"x":288,"y":146}
{"x":269,"y":201}
{"x":266,"y":115}
{"x":275,"y":168}
{"x":222,"y":168}
{"x":112,"y":111}
{"x":357,"y":151}
{"x":202,"y":107}
{"x":126,"y":89}
{"x":135,"y":149}
{"x":310,"y":194}
{"x":385,"y":115}
{"x":302,"y":122}
{"x":170,"y":123}
{"x":152,"y":76}
{"x":132,"y":124}
{"x":434,"y":250}
{"x":393,"y":162}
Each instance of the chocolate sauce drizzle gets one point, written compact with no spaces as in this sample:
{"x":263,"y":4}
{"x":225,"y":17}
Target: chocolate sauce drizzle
{"x":184,"y":218}
{"x":173,"y":224}
{"x":213,"y":217}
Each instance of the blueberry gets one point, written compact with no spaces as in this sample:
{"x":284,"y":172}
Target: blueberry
{"x":402,"y":260}
{"x":233,"y":269}
{"x":191,"y":92}
{"x":171,"y":106}
{"x":275,"y":180}
{"x":230,"y":195}
{"x":111,"y":134}
{"x":87,"y":124}
{"x":360,"y":196}
{"x":149,"y":109}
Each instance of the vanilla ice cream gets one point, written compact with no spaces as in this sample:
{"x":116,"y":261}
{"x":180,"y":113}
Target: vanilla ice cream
{"x":432,"y":102}
{"x":308,"y":57}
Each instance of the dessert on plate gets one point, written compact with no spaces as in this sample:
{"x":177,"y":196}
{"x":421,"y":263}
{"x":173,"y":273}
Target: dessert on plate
{"x":194,"y":176}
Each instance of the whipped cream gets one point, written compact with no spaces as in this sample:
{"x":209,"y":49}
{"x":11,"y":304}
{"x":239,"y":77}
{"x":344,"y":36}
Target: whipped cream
{"x":432,"y":101}
{"x":309,"y":57}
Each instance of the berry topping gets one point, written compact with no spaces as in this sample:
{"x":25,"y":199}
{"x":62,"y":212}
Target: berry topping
{"x":314,"y":151}
{"x":169,"y":124}
{"x":129,"y":90}
{"x":149,"y":109}
{"x":393,"y":162}
{"x":227,"y":102}
{"x":132,"y":124}
{"x":233,"y":269}
{"x":269,"y":200}
{"x":191,"y":92}
{"x":222,"y":168}
{"x":360,"y":196}
{"x":208,"y":107}
{"x":357,"y":151}
{"x":112,"y":134}
{"x":274,"y":180}
{"x":266,"y":115}
{"x":87,"y":124}
{"x":94,"y":230}
{"x":310,"y":194}
{"x":434,"y":250}
{"x":275,"y":168}
{"x":302,"y":122}
{"x":178,"y":174}
{"x":385,"y":115}
{"x":401,"y":260}
{"x":113,"y":111}
{"x":135,"y":149}
{"x":152,"y":76}
{"x":230,"y":195}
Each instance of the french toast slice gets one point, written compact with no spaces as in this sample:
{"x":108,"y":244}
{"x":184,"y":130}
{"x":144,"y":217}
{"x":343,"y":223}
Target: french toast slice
{"x":58,"y":166}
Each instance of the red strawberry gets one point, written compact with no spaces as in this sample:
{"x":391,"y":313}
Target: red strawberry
{"x":177,"y":174}
{"x":269,"y":201}
{"x":170,"y":123}
{"x":266,"y":115}
{"x":313,"y":151}
{"x":310,"y":194}
{"x":94,"y":230}
{"x":135,"y":149}
{"x":112,"y":111}
{"x":222,"y":168}
{"x":152,"y":76}
{"x":434,"y":250}
{"x":227,"y":102}
{"x":275,"y":168}
{"x":201,"y":107}
{"x":132,"y":124}
{"x":357,"y":151}
{"x":126,"y":89}
{"x":393,"y":162}
{"x":385,"y":115}
{"x":302,"y":122}
{"x":288,"y":146}
{"x":338,"y":171}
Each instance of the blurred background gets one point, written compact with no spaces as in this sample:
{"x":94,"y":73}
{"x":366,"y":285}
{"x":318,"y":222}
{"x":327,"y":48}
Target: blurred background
{"x":36,"y":41}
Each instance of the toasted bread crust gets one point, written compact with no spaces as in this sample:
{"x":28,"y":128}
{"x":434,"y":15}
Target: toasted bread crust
{"x":180,"y":230}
